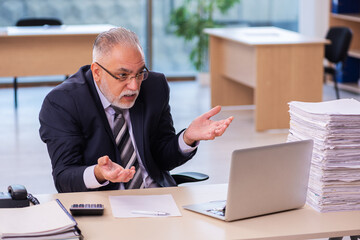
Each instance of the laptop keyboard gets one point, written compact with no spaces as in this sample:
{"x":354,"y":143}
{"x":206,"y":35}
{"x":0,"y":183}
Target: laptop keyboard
{"x":218,"y":211}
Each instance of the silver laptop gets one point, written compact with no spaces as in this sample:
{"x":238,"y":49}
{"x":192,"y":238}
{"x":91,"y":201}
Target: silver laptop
{"x":263,"y":180}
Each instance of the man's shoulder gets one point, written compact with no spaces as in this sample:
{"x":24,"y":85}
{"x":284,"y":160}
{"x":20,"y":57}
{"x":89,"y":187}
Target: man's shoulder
{"x":73,"y":95}
{"x":156,"y":75}
{"x":155,"y":89}
{"x":75,"y":84}
{"x":154,"y":81}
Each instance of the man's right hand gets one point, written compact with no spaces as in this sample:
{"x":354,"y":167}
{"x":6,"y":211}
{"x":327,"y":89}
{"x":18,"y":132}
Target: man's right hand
{"x":107,"y":170}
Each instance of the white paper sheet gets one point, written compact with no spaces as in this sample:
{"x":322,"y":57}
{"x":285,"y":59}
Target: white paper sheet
{"x":335,"y":107}
{"x":125,"y":206}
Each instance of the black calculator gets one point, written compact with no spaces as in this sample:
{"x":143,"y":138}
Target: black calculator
{"x":87,"y":209}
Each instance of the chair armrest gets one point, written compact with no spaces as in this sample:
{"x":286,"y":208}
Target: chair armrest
{"x":185,"y":177}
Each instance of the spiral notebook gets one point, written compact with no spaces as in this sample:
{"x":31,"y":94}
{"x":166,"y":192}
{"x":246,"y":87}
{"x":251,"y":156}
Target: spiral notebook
{"x":48,"y":220}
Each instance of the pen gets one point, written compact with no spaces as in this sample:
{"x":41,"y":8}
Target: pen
{"x":153,"y":213}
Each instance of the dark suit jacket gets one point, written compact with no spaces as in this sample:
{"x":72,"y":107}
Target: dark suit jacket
{"x":75,"y":128}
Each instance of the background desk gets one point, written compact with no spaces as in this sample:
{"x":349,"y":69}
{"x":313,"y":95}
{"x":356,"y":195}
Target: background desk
{"x":265,"y":66}
{"x":57,"y":50}
{"x":303,"y":223}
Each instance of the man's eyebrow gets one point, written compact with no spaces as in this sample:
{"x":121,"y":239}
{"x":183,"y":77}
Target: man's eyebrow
{"x":129,"y":71}
{"x":141,"y":68}
{"x":124,"y":70}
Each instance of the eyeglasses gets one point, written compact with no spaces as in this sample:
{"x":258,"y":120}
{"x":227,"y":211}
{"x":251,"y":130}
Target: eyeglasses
{"x":123,"y":77}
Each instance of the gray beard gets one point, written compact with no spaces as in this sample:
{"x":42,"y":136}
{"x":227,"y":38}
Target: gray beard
{"x":115,"y":101}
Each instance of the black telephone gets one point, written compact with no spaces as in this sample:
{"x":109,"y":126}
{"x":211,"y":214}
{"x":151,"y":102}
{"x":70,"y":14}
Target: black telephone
{"x":16,"y":197}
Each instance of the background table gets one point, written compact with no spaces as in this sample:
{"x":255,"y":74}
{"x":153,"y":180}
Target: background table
{"x":304,"y":223}
{"x":265,"y":66}
{"x":55,"y":50}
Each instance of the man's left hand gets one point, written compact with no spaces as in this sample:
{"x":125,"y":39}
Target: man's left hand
{"x":202,"y":128}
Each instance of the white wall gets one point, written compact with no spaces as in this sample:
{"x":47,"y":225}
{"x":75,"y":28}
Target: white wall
{"x":314,"y":17}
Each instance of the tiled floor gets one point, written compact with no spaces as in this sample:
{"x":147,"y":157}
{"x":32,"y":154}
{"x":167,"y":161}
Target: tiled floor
{"x":24,"y":157}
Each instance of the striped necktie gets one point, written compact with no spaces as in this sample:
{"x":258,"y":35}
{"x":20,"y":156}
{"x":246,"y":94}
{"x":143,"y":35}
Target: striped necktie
{"x":128,"y":156}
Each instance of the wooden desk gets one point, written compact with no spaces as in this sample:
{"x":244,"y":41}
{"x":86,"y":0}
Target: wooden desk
{"x":303,"y":223}
{"x":56,"y":50}
{"x":265,"y":66}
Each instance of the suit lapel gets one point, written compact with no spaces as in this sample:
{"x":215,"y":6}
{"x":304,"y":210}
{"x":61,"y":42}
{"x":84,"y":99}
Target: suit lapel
{"x":99,"y":106}
{"x":137,"y":122}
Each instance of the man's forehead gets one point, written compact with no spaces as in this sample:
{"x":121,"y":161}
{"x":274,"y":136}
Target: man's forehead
{"x":131,"y":58}
{"x":126,"y":47}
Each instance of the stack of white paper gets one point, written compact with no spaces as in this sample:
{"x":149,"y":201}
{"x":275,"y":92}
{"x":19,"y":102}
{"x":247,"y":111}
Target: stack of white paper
{"x":334,"y":126}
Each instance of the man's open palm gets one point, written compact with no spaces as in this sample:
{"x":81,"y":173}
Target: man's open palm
{"x":202,"y":128}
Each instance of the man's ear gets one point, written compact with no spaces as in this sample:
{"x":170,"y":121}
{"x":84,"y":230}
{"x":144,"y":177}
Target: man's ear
{"x":95,"y":71}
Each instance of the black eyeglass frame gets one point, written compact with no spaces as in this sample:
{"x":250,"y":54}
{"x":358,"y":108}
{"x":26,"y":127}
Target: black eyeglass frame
{"x":146,"y":73}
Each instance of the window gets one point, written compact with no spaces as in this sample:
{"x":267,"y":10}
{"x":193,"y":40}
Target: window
{"x":170,"y":54}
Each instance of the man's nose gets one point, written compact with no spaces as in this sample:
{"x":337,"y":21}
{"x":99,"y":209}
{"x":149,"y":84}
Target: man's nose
{"x":133,"y":84}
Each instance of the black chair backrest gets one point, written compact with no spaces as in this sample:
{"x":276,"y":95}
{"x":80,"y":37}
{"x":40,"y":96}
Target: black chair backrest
{"x":26,"y":22}
{"x":340,"y":38}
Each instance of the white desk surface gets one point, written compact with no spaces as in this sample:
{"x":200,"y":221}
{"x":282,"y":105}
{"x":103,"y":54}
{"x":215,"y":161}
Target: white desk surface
{"x":304,"y":223}
{"x":54,"y":30}
{"x":263,"y":36}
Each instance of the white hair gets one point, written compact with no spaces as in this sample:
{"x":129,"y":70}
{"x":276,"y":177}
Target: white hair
{"x":105,"y":41}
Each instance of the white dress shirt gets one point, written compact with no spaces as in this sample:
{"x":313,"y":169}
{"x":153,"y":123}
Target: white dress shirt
{"x":89,"y":175}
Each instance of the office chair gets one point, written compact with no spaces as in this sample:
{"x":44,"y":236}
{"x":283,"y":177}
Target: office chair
{"x":336,"y":52}
{"x":340,"y":238}
{"x":187,"y":177}
{"x":27,"y":22}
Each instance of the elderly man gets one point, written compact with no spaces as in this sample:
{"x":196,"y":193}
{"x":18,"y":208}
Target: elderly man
{"x":109,"y":125}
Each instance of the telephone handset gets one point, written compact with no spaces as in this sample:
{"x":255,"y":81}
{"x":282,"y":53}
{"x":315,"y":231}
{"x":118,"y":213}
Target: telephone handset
{"x":16,"y":197}
{"x":17,"y":192}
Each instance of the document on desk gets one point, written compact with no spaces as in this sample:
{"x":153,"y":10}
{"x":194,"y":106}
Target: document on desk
{"x":132,"y":206}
